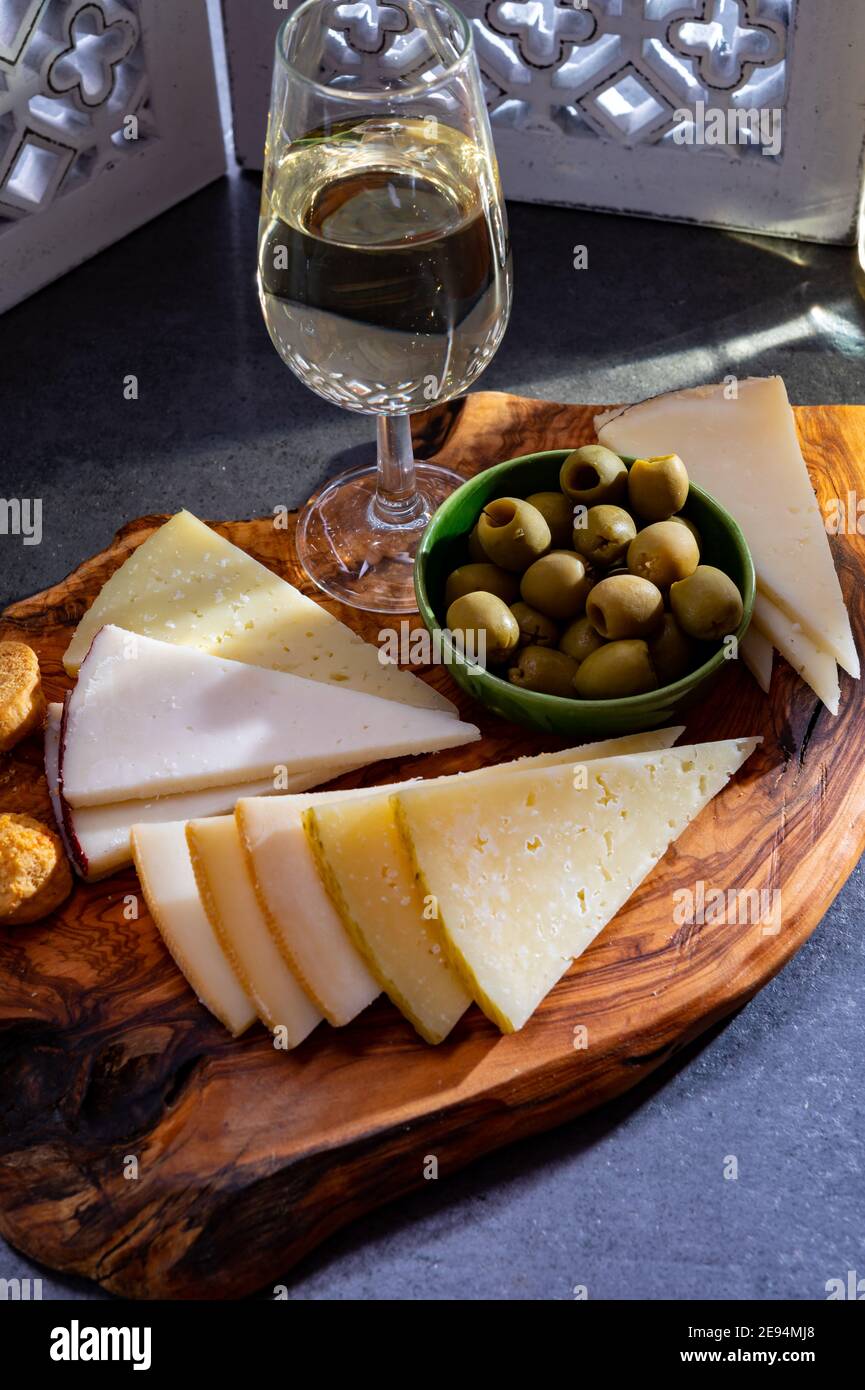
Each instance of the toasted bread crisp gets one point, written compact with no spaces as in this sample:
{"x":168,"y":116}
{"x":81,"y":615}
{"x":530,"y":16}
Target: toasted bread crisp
{"x":22,"y":704}
{"x":34,"y":872}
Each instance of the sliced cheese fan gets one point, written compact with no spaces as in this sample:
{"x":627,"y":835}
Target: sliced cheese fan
{"x":186,"y":584}
{"x":527,"y":867}
{"x":745,"y":451}
{"x":148,"y":718}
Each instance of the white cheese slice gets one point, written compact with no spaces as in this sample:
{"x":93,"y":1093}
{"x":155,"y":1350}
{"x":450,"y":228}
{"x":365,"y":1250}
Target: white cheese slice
{"x":816,"y":667}
{"x":526,"y":867}
{"x":746,"y":452}
{"x":756,"y":651}
{"x":147,"y":719}
{"x":187,"y":584}
{"x":169,"y":887}
{"x":298,"y":907}
{"x":228,"y":898}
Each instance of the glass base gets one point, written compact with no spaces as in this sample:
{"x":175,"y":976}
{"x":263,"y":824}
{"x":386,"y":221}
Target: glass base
{"x":356,"y":554}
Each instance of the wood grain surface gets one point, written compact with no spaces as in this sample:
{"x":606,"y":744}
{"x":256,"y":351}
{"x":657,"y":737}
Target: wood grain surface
{"x":248,"y":1157}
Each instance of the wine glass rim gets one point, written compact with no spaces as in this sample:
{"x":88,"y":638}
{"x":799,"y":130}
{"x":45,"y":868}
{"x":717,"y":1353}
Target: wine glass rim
{"x":366,"y":93}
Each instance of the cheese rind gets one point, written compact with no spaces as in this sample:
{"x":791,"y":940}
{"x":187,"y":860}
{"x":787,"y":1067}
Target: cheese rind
{"x":300,"y":912}
{"x":188,"y":585}
{"x":757,"y":653}
{"x":147,"y":718}
{"x":816,"y":667}
{"x":528,"y":867}
{"x":746,"y":452}
{"x":169,"y":887}
{"x":228,"y":898}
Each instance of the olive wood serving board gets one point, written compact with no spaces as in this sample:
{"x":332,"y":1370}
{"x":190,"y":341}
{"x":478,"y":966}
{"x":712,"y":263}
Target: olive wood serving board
{"x":248,"y":1157}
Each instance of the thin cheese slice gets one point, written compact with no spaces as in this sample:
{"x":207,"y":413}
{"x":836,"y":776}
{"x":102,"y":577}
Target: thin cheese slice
{"x":299,"y":910}
{"x":527,"y":867}
{"x":229,"y":900}
{"x":756,"y":651}
{"x":147,"y":719}
{"x":97,"y":837}
{"x":816,"y":667}
{"x":169,"y":887}
{"x":746,"y":452}
{"x":187,"y":584}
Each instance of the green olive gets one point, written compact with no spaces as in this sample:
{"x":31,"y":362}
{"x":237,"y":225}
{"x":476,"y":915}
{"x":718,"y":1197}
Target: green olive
{"x":513,"y":533}
{"x":558,"y":512}
{"x":671,"y":651}
{"x":615,"y":671}
{"x":594,"y":474}
{"x":484,"y":578}
{"x":580,"y":640}
{"x":536,"y":629}
{"x":557,"y":585}
{"x":658,"y":487}
{"x":543,"y":670}
{"x":663,"y":552}
{"x":477,"y":554}
{"x":487,"y":628}
{"x":707,"y":604}
{"x":625,"y":606}
{"x":606,"y":535}
{"x":683,"y":521}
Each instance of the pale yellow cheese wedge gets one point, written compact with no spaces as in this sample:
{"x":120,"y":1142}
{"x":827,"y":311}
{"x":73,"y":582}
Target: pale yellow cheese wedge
{"x":526,"y":867}
{"x":187,"y":584}
{"x":744,"y":449}
{"x":169,"y":887}
{"x":757,"y":653}
{"x":816,"y":667}
{"x":228,"y":898}
{"x":300,"y":911}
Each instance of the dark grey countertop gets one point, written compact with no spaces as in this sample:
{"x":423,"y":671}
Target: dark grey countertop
{"x":631,"y":1202}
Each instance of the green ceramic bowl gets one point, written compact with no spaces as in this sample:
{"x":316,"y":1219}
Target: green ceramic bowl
{"x":444,"y":546}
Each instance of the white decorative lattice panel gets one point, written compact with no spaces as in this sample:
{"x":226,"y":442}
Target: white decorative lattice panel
{"x":108,"y":116}
{"x":743,"y":113}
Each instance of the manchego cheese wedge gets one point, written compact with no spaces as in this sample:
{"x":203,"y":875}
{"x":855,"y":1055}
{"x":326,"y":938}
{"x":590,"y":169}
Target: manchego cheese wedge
{"x":228,"y":898}
{"x":148,"y":718}
{"x":168,"y":883}
{"x":745,"y":451}
{"x":187,"y":584}
{"x":345,"y":957}
{"x":526,"y":867}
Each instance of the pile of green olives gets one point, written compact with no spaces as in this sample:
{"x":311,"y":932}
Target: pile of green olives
{"x":596,"y":591}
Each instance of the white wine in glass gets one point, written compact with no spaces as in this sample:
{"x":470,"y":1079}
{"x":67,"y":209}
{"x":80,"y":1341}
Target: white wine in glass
{"x":383,"y":265}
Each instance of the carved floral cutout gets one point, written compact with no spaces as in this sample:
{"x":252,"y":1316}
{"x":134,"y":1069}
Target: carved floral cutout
{"x":726,"y":44}
{"x":368,"y":27}
{"x":86,"y":69}
{"x":544,"y":29}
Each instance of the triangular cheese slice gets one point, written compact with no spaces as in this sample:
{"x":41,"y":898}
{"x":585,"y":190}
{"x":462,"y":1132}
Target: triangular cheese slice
{"x":169,"y":887}
{"x":525,"y":868}
{"x":148,"y":719}
{"x":228,"y":899}
{"x":188,"y":585}
{"x":744,"y":449}
{"x":339,"y":942}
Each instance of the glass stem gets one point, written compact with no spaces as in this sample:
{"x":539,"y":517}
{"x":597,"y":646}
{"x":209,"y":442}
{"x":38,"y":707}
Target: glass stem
{"x":397,"y":501}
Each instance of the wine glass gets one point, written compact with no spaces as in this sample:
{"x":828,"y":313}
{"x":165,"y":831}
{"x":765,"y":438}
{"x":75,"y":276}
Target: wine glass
{"x":383,"y":263}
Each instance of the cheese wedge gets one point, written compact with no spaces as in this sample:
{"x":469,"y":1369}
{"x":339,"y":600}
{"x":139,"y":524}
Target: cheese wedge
{"x":229,"y":900}
{"x":756,"y":651}
{"x":97,"y":837}
{"x":526,"y":867}
{"x":746,"y":452}
{"x":300,"y":911}
{"x":187,"y":584}
{"x":816,"y":667}
{"x":148,"y":719}
{"x":169,"y":887}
